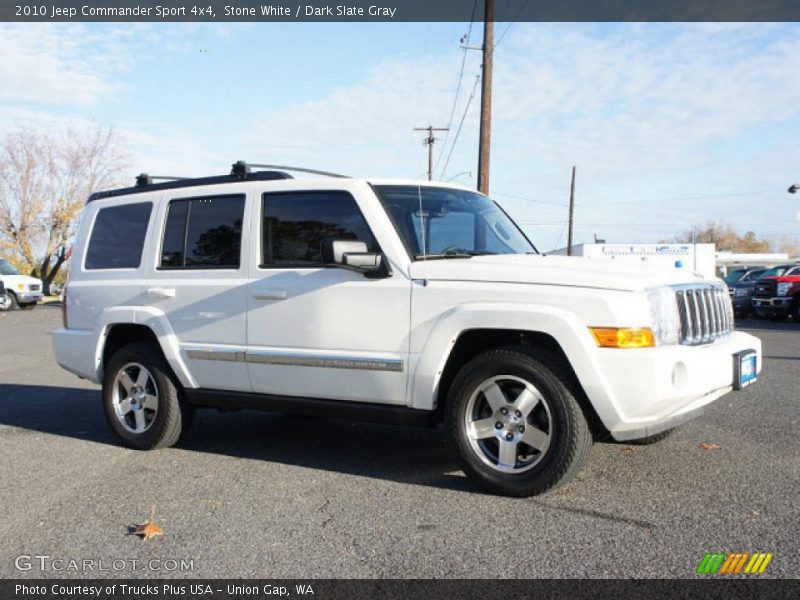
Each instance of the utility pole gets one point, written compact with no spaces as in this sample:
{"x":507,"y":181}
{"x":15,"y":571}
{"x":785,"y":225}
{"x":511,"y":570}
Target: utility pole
{"x":486,"y":98}
{"x":571,"y":211}
{"x":428,"y":141}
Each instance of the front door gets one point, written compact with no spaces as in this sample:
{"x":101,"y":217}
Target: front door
{"x":316,"y":331}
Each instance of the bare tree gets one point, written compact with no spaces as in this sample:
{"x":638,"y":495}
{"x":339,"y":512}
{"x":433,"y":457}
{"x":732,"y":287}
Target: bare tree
{"x":789,"y":245}
{"x":44,"y":181}
{"x":725,"y":238}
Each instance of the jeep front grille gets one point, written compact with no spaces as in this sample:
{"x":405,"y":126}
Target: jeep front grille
{"x":706,"y":313}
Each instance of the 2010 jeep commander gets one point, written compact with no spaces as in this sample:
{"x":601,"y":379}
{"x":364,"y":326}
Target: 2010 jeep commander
{"x":384,"y":300}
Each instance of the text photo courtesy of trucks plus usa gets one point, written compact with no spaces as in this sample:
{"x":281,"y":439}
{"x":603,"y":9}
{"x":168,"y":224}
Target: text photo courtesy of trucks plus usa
{"x":494,"y":307}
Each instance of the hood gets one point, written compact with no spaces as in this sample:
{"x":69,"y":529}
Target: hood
{"x":551,"y":270}
{"x":12,"y":281}
{"x":784,"y":278}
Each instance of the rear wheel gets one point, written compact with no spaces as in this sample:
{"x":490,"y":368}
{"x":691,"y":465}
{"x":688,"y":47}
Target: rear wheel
{"x":142,"y":398}
{"x":515,"y":424}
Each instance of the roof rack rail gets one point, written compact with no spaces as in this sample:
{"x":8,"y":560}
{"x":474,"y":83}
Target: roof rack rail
{"x":143,"y":179}
{"x":242,"y":169}
{"x":145,"y":183}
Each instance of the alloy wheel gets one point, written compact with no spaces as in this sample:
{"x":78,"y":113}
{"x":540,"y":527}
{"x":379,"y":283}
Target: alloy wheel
{"x":135,"y":397}
{"x":509,"y":424}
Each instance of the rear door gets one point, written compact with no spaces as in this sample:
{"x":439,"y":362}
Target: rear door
{"x":199,"y":281}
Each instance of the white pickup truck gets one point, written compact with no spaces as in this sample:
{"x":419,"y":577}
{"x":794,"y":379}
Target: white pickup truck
{"x":384,"y":300}
{"x":17,"y":290}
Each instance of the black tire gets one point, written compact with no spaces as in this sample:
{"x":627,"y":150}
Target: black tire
{"x":173,"y":416}
{"x":570,"y":441}
{"x":27,"y":305}
{"x":11,"y":301}
{"x":651,"y":439}
{"x":796,"y":310}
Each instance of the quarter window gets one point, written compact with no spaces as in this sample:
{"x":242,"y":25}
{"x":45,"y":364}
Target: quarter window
{"x":118,"y":236}
{"x":296,"y":223}
{"x":203,"y":233}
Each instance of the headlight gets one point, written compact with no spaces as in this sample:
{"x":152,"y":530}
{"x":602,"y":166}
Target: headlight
{"x":664,"y":317}
{"x":741,"y":292}
{"x":784,"y":287}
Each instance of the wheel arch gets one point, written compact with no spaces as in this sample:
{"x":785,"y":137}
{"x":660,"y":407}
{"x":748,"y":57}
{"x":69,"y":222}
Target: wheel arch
{"x":548,"y":332}
{"x":122,"y":325}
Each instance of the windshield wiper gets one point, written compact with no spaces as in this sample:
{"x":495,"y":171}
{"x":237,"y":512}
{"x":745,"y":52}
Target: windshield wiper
{"x":453,"y":253}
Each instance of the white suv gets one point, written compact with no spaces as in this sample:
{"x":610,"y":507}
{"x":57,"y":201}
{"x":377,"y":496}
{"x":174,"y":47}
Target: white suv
{"x":387,"y":301}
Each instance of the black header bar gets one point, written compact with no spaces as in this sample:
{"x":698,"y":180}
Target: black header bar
{"x":401,"y":10}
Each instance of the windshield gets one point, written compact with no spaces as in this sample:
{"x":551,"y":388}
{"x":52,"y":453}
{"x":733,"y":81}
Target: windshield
{"x":774,"y":272}
{"x":445,"y":222}
{"x":752,"y":275}
{"x":734,"y":276}
{"x":7,"y":269}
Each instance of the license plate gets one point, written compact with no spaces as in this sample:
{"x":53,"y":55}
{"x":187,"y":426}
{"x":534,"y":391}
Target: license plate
{"x":745,"y":369}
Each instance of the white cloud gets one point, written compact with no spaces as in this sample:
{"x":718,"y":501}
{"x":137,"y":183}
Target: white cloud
{"x":654,"y":116}
{"x":56,"y":65}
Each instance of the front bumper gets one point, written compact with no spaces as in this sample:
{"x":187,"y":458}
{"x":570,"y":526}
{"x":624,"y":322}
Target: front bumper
{"x":653,"y":389}
{"x":28,"y":296}
{"x":777,"y":305}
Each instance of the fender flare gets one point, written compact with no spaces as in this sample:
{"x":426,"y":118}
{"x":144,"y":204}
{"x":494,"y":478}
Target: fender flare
{"x":563,"y":326}
{"x":155,"y":320}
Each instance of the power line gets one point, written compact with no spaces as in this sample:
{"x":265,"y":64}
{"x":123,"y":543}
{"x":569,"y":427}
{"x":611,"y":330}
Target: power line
{"x":458,"y":131}
{"x":464,"y":40}
{"x":529,"y":199}
{"x":514,"y":20}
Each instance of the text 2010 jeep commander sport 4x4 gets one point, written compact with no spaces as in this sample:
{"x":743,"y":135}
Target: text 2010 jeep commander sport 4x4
{"x":384,"y":300}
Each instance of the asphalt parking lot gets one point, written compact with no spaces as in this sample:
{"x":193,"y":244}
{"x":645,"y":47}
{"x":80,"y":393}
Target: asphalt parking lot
{"x":258,"y":495}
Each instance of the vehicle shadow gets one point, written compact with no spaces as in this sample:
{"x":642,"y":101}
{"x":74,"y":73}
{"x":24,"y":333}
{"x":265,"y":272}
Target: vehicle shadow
{"x":412,"y":455}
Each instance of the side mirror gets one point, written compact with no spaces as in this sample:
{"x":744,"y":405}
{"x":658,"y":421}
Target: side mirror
{"x":351,"y":255}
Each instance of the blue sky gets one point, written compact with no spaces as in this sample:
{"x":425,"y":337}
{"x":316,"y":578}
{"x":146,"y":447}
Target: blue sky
{"x":669,"y":125}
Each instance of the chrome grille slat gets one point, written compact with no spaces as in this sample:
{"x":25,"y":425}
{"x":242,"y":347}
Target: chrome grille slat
{"x":705,"y":313}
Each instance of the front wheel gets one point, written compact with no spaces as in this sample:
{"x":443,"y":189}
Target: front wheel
{"x":142,"y":398}
{"x":796,"y":310}
{"x":8,"y":301}
{"x":515,"y":423}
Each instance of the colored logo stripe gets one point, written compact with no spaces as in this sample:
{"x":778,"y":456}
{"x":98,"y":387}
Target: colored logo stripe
{"x":734,"y":563}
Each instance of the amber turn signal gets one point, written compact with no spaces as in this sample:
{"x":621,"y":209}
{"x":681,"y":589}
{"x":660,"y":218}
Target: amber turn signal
{"x":623,"y":337}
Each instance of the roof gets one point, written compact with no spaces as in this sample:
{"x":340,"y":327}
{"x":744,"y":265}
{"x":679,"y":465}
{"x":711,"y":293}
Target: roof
{"x":241,"y":172}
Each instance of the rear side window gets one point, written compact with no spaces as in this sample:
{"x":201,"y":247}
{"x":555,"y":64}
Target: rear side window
{"x":295,"y":224}
{"x":118,"y":236}
{"x":203,"y":233}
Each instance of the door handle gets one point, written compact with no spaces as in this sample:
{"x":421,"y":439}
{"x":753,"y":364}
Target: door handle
{"x":268,"y":294}
{"x":161,"y":293}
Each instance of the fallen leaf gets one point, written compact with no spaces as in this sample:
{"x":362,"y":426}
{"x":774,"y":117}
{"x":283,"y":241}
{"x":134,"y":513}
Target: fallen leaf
{"x":627,"y":449}
{"x":148,"y":529}
{"x":707,"y":446}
